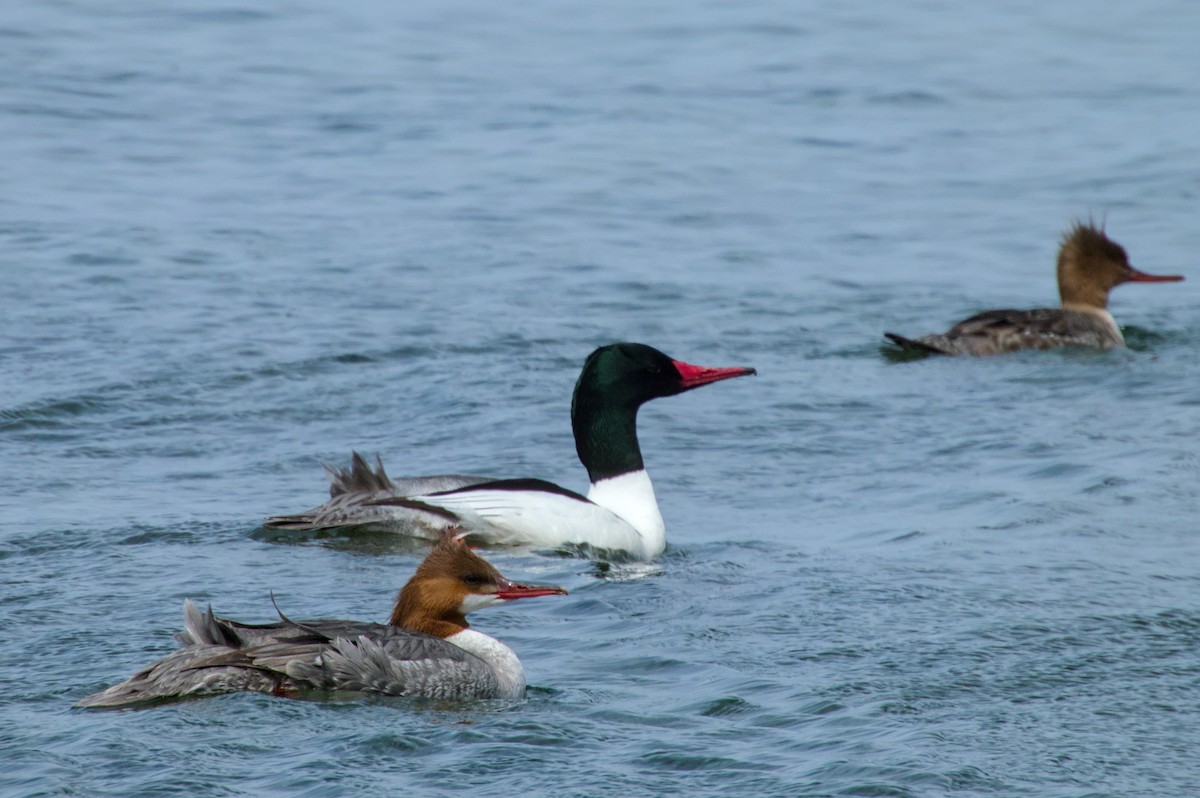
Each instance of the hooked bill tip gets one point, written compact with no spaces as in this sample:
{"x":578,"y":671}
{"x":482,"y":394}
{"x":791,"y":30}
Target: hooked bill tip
{"x":695,"y":376}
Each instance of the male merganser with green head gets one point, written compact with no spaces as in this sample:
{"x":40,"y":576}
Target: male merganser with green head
{"x":1090,"y":264}
{"x":620,"y":512}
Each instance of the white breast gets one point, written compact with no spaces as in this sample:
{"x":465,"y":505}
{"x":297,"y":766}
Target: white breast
{"x":1112,"y":324}
{"x":1102,"y":316}
{"x":631,"y":496}
{"x":509,"y":673}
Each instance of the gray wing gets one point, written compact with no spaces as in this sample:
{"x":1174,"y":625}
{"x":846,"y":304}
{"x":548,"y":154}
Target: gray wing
{"x":191,"y":671}
{"x":222,"y":656}
{"x":356,"y":493}
{"x":995,"y":332}
{"x":213,"y":659}
{"x":399,"y":663}
{"x":1004,"y":322}
{"x":999,"y":331}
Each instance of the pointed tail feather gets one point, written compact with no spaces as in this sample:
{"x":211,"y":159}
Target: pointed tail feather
{"x":362,"y":495}
{"x":204,"y":628}
{"x":358,"y":478}
{"x":299,"y":522}
{"x":366,"y":511}
{"x":203,"y":636}
{"x":120,"y":695}
{"x":913,"y":344}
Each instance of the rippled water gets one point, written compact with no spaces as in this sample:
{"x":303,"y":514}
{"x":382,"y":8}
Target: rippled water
{"x":236,"y":241}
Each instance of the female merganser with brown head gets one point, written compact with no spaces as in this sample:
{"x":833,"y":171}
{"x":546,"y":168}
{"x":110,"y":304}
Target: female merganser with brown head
{"x":427,"y":649}
{"x":619,"y":513}
{"x":1090,"y":264}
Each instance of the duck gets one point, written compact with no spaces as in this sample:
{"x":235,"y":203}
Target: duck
{"x":427,"y":648}
{"x":1090,"y":265}
{"x":620,"y":512}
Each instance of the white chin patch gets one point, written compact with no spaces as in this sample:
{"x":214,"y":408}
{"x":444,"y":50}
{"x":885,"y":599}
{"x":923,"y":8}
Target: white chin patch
{"x":477,"y":601}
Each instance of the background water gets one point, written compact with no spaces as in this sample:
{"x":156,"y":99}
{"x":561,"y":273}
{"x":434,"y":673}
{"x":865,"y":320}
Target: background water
{"x":238,"y":240}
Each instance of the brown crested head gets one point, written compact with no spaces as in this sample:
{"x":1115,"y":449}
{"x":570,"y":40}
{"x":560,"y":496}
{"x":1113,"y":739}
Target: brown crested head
{"x":452,"y":581}
{"x":1090,"y":264}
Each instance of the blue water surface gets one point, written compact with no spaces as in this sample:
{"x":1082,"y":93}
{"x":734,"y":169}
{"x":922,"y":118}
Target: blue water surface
{"x":237,"y":240}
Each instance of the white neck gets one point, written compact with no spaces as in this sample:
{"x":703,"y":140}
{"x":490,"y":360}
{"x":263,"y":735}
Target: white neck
{"x":1102,"y":315}
{"x":510,"y":676}
{"x":631,"y":497}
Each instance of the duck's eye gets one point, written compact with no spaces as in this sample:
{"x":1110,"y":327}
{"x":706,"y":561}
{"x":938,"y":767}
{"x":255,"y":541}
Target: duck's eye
{"x":473,"y":579}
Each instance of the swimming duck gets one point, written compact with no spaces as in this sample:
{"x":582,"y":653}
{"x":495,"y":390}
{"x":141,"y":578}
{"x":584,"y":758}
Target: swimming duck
{"x":619,"y":513}
{"x":426,"y":649}
{"x":1090,"y":264}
